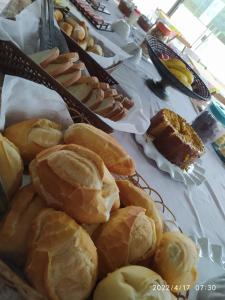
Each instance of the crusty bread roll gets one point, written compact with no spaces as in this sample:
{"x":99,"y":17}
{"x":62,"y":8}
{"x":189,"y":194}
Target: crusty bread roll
{"x":97,"y":49}
{"x":66,"y":27}
{"x":11,"y":166}
{"x":58,"y":15}
{"x":34,"y":135}
{"x":14,"y":230}
{"x":176,"y":259}
{"x":91,"y":42}
{"x":133,"y":195}
{"x":78,"y":33}
{"x":114,"y":156}
{"x":74,"y":179}
{"x":132,"y":283}
{"x":62,"y":260}
{"x":127,"y":238}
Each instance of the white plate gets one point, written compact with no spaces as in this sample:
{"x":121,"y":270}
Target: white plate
{"x":193,"y":176}
{"x":211,"y":264}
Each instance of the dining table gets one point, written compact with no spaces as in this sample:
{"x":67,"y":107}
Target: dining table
{"x":199,"y":209}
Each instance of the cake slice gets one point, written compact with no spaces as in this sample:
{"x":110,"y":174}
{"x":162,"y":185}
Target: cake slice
{"x":95,"y":99}
{"x":80,"y":91}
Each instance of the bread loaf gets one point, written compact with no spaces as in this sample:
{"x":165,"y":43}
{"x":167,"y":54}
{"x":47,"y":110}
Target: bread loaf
{"x":62,"y":260}
{"x":74,"y":179}
{"x":127,"y":238}
{"x":34,"y":135}
{"x":15,"y":228}
{"x":11,"y":166}
{"x":115,"y":157}
{"x":176,"y":260}
{"x":132,"y":283}
{"x":133,"y":195}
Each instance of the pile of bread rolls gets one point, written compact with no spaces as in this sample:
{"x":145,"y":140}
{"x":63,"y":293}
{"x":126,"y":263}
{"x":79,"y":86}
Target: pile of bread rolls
{"x":97,"y":96}
{"x":79,"y":32}
{"x":75,"y":224}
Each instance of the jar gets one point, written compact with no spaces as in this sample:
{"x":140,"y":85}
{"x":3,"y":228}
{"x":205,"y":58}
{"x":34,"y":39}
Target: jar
{"x":211,"y":122}
{"x":145,"y":23}
{"x":161,"y":31}
{"x":134,"y":16}
{"x":126,"y":7}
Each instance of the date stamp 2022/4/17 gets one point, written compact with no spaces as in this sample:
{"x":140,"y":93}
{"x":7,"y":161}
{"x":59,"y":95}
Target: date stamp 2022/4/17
{"x":184,"y":287}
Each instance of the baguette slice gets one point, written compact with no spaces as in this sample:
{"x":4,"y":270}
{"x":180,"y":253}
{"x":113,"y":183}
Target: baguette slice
{"x":67,"y":57}
{"x":80,"y":91}
{"x":105,"y":107}
{"x":69,"y":79}
{"x":95,"y":99}
{"x":76,"y":67}
{"x":44,"y":58}
{"x":58,"y":69}
{"x":117,"y":108}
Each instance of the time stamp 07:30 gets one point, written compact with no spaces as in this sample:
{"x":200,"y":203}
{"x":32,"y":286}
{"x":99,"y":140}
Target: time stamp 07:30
{"x":177,"y":288}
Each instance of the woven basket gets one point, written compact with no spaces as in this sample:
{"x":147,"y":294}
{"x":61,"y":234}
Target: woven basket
{"x":14,"y":62}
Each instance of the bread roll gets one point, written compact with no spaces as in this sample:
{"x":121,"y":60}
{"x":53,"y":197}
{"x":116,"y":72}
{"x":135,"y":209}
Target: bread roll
{"x":78,"y":33}
{"x":11,"y":166}
{"x":91,"y":42}
{"x":175,"y":260}
{"x":58,"y":15}
{"x":132,"y":283}
{"x":127,"y":238}
{"x":97,"y":49}
{"x":132,"y":195}
{"x":34,"y":135}
{"x":66,"y":27}
{"x":14,"y":230}
{"x":114,"y":156}
{"x":62,"y":261}
{"x":74,"y":179}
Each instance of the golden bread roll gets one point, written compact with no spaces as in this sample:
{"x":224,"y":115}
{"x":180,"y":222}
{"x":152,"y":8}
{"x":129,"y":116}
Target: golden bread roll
{"x":66,"y":27}
{"x":15,"y":228}
{"x":127,"y":238}
{"x":78,"y":33}
{"x":132,"y":283}
{"x":71,"y":21}
{"x":97,"y":49}
{"x":62,"y":259}
{"x":91,"y":42}
{"x":114,"y":156}
{"x":58,"y":15}
{"x":133,"y":195}
{"x":176,"y":259}
{"x":34,"y":135}
{"x":11,"y":166}
{"x":74,"y":179}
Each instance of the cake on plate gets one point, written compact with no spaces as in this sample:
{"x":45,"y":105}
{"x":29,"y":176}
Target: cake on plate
{"x":175,"y":139}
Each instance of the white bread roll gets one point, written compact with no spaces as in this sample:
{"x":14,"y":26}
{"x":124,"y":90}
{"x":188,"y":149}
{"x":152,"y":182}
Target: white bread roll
{"x":11,"y":166}
{"x":97,"y":49}
{"x":66,"y":27}
{"x":128,"y":237}
{"x":74,"y":179}
{"x":15,"y":228}
{"x":34,"y":135}
{"x":114,"y":156}
{"x":78,"y":33}
{"x":176,"y":260}
{"x":62,"y":260}
{"x":133,"y":195}
{"x":132,"y":283}
{"x":58,"y":15}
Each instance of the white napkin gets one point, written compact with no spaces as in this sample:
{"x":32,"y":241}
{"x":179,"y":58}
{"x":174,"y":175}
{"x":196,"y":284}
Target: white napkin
{"x":24,"y":32}
{"x":23,"y":99}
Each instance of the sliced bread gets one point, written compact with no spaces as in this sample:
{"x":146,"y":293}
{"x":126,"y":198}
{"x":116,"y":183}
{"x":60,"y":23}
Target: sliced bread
{"x":44,"y":58}
{"x":110,"y":93}
{"x":95,"y":99}
{"x":105,"y":107}
{"x":88,"y":79}
{"x":75,"y":67}
{"x":69,"y":79}
{"x":80,"y":91}
{"x":117,"y":107}
{"x":67,"y":57}
{"x":120,"y":115}
{"x":58,"y":69}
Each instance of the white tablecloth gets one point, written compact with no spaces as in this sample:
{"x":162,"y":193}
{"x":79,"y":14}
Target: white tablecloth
{"x":200,"y":210}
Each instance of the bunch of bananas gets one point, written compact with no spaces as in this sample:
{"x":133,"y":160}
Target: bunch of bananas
{"x":180,"y":71}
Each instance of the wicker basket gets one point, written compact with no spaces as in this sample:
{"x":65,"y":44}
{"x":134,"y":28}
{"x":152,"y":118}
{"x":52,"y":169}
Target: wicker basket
{"x":14,"y":62}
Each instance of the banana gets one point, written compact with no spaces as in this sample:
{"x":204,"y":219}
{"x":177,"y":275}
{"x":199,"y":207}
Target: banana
{"x":179,"y":75}
{"x":186,"y":72}
{"x":170,"y":63}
